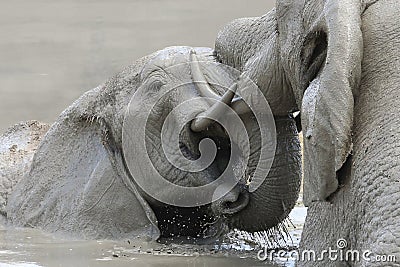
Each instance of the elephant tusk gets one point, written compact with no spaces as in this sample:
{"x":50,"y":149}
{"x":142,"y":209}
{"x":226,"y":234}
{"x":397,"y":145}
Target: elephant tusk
{"x":204,"y":119}
{"x":297,"y":119}
{"x":198,"y":78}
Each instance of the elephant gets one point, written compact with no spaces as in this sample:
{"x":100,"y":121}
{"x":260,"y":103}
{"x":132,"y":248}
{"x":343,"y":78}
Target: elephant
{"x":337,"y":63}
{"x":80,"y":184}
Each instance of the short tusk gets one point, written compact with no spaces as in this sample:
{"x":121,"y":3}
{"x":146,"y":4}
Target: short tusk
{"x":297,"y":119}
{"x":202,"y":121}
{"x":198,"y":78}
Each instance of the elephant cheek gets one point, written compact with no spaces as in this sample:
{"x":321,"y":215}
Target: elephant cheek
{"x":270,"y":204}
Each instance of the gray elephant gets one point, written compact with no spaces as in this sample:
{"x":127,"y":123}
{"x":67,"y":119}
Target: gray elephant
{"x":338,"y":63}
{"x":79,"y":183}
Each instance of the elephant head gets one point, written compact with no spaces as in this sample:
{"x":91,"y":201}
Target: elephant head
{"x":82,"y":180}
{"x":200,"y":90}
{"x":305,"y":56}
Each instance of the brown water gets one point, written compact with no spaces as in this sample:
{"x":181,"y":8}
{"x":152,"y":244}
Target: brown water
{"x":33,"y":248}
{"x":53,"y":51}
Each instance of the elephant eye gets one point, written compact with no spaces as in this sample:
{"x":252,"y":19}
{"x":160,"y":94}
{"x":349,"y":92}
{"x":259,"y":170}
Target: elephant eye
{"x":155,"y":83}
{"x":314,"y":54}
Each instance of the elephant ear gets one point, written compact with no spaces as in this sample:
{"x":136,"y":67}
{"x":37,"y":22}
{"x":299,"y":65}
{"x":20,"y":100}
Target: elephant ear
{"x":328,"y":101}
{"x":77,"y":185}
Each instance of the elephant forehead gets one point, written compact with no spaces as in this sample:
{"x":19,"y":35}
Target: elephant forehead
{"x":174,"y":61}
{"x":165,"y":68}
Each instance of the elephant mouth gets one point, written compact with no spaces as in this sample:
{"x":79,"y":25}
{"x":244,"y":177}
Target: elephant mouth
{"x":204,"y":221}
{"x":260,"y":210}
{"x":226,"y":151}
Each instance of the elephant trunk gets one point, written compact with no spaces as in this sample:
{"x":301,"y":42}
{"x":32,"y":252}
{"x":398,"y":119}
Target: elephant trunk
{"x":251,"y":45}
{"x":271,"y":203}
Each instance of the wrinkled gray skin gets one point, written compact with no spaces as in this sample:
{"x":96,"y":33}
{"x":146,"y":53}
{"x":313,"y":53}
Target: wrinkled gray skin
{"x":78,"y":182}
{"x":338,"y":63}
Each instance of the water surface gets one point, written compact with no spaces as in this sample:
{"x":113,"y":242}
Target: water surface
{"x":32,"y":248}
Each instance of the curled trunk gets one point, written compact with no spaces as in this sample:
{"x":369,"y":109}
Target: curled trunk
{"x":271,"y":203}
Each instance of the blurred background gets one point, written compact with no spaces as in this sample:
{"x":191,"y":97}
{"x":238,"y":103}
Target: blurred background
{"x":53,"y":51}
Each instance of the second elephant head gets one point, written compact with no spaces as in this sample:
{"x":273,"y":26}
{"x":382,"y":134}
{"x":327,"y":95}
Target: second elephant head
{"x":305,"y":56}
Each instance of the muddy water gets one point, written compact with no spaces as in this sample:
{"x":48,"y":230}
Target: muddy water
{"x":28,"y":247}
{"x":32,"y":248}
